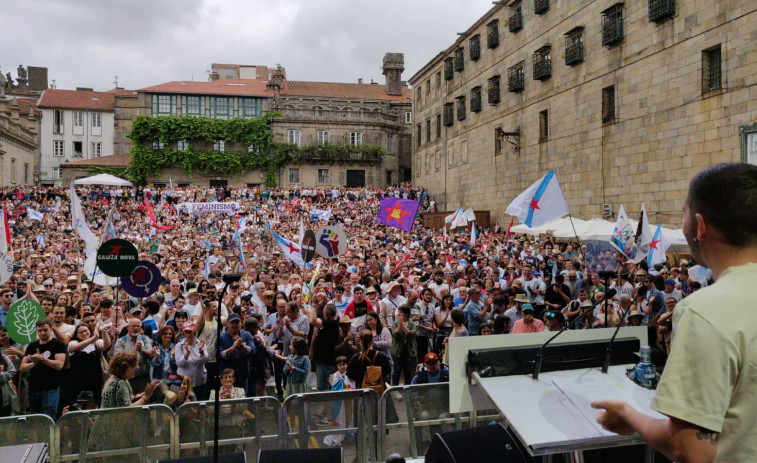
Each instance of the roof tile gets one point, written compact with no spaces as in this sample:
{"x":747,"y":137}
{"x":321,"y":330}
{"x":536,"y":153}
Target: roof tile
{"x":77,"y":99}
{"x":115,"y":160}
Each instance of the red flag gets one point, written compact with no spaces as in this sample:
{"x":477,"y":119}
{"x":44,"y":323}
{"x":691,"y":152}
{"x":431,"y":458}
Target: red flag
{"x":151,"y":218}
{"x":509,"y":233}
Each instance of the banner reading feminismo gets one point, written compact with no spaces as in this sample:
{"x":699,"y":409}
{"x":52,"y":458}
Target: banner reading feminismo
{"x":196,"y":208}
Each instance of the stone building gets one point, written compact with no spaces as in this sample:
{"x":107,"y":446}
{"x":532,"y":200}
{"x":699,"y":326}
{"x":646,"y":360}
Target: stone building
{"x":75,"y":125}
{"x":317,"y":117}
{"x":19,"y":141}
{"x":626,"y":101}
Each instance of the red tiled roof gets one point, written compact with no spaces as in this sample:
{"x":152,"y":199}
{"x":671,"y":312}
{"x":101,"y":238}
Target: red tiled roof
{"x":231,"y":87}
{"x":77,"y":99}
{"x":24,"y":104}
{"x":340,"y":90}
{"x":116,"y":160}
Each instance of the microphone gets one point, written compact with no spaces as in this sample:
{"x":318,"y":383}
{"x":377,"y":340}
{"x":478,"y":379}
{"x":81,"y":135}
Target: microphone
{"x":540,"y":354}
{"x":608,"y":352}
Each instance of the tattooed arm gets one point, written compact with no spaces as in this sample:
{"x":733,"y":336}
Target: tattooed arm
{"x":678,"y":440}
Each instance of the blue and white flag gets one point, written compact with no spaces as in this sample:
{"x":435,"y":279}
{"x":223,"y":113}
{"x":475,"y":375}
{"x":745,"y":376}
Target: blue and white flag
{"x":79,"y":222}
{"x":657,"y":248}
{"x":290,"y":250}
{"x":41,"y":240}
{"x":241,"y":227}
{"x":109,"y":232}
{"x":57,"y":205}
{"x":540,"y":203}
{"x":207,"y":259}
{"x":322,"y":214}
{"x":35,"y":215}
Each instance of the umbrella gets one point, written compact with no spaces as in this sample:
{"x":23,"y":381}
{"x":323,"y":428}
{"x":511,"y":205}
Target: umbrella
{"x":103,"y":179}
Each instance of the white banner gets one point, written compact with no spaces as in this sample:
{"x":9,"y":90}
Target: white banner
{"x":196,"y":208}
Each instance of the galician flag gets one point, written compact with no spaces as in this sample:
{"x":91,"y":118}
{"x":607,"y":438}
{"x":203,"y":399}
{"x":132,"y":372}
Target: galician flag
{"x":241,"y":226}
{"x":290,"y":249}
{"x":35,"y":215}
{"x":657,"y":248}
{"x":541,"y":203}
{"x":643,"y":237}
{"x":109,"y":231}
{"x":453,"y":217}
{"x":79,"y":222}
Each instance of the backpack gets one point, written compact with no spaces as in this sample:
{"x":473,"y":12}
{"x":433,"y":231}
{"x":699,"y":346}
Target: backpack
{"x":374,"y":377}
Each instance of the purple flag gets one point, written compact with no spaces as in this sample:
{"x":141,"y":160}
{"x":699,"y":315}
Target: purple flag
{"x":398,"y":213}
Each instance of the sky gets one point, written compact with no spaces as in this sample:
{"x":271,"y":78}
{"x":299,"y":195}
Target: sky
{"x":85,"y":43}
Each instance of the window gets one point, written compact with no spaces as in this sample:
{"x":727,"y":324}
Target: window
{"x":661,"y":10}
{"x":323,"y":176}
{"x":253,"y":148}
{"x":474,"y":47}
{"x":492,"y":34}
{"x":78,"y":122}
{"x":26,"y":173}
{"x":390,"y":143}
{"x":612,"y":25}
{"x":13,"y":170}
{"x":543,"y":126}
{"x":515,"y":21}
{"x":438,"y":79}
{"x":219,"y":145}
{"x":57,"y":173}
{"x":294,"y":175}
{"x":459,"y":59}
{"x":389,"y":177}
{"x":460,"y":108}
{"x":448,"y":69}
{"x":541,"y":6}
{"x":448,"y":110}
{"x":250,"y":107}
{"x":475,"y":99}
{"x":438,"y":125}
{"x":58,"y":121}
{"x":464,"y":151}
{"x":711,"y":69}
{"x":542,"y":63}
{"x":492,"y":88}
{"x":193,"y":105}
{"x":437,"y":160}
{"x":293,"y":137}
{"x":323,"y":137}
{"x":574,"y":46}
{"x":58,"y":148}
{"x":516,"y":78}
{"x":608,"y":104}
{"x":96,"y":149}
{"x":748,"y":135}
{"x":418,"y":135}
{"x":408,"y":117}
{"x":499,"y":141}
{"x":158,"y":145}
{"x":428,"y":130}
{"x":221,"y":108}
{"x":96,"y":120}
{"x":356,"y":138}
{"x":163,"y":105}
{"x":78,"y":149}
{"x":182,"y":145}
{"x":428,"y":87}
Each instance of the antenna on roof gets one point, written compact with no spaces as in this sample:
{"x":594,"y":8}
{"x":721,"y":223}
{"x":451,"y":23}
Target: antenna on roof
{"x":115,"y":80}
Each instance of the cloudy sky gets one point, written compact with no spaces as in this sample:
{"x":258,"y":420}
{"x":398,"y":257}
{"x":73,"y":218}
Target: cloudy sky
{"x":86,"y":42}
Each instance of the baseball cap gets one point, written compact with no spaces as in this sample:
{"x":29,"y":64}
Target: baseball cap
{"x":188,"y":326}
{"x":527,"y":307}
{"x":431,"y":357}
{"x":234,"y":317}
{"x":670,"y":281}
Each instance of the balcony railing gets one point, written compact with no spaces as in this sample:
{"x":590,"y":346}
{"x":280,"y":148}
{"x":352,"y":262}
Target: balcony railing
{"x":337,"y":115}
{"x":515,"y":22}
{"x":541,"y":6}
{"x":660,"y":10}
{"x":574,"y":54}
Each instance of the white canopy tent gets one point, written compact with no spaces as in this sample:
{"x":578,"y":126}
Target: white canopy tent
{"x":103,"y":179}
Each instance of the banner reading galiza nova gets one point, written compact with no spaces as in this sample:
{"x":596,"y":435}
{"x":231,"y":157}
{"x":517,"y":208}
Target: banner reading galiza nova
{"x":196,"y":208}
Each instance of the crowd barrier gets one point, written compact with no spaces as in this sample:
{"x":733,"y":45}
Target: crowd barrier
{"x":368,"y":427}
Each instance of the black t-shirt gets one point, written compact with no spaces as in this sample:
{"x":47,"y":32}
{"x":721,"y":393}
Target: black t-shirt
{"x":325,"y":341}
{"x":44,"y":378}
{"x":552,"y":297}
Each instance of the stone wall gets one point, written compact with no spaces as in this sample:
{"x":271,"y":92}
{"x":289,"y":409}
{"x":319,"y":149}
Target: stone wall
{"x":665,"y":127}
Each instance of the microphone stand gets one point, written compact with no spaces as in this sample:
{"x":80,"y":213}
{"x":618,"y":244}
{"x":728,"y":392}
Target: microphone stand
{"x":608,"y":352}
{"x":581,"y":316}
{"x":227,"y":279}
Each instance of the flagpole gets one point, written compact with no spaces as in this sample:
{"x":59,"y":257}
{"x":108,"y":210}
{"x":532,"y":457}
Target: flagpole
{"x":575,"y":233}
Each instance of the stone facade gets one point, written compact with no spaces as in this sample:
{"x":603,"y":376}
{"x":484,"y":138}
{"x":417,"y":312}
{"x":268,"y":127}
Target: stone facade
{"x":19,"y":141}
{"x":627,"y":121}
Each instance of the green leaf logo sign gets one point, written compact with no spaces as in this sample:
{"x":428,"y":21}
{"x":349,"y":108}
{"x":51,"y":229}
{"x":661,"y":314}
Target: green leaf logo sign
{"x":22,"y":319}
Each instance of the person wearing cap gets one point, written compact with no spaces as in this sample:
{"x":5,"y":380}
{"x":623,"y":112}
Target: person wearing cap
{"x":635,"y":318}
{"x":190,"y":355}
{"x":515,"y":312}
{"x":390,"y":303}
{"x":534,"y":287}
{"x":671,"y":290}
{"x":477,"y":311}
{"x":528,"y":324}
{"x":135,"y":341}
{"x":236,"y":348}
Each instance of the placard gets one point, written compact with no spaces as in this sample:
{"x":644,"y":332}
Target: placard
{"x":117,"y":257}
{"x":330,"y":242}
{"x":22,"y":319}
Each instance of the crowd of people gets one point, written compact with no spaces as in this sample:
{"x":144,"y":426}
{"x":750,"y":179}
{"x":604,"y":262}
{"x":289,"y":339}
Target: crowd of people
{"x":380,"y":313}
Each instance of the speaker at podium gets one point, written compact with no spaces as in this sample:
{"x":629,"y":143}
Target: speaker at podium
{"x":465,"y":446}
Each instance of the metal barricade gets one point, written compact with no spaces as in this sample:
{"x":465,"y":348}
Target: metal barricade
{"x":29,"y":429}
{"x":248,"y":424}
{"x":359,"y":409}
{"x":127,"y":434}
{"x":423,"y":410}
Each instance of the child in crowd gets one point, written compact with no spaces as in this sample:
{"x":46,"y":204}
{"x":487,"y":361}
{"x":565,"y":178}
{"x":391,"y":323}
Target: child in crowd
{"x":340,"y":410}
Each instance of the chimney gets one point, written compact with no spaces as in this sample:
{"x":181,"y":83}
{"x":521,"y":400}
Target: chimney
{"x":360,"y":80}
{"x":394,"y":65}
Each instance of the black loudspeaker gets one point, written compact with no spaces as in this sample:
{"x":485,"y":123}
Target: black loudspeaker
{"x":475,"y":445}
{"x":238,"y":457}
{"x":329,"y":455}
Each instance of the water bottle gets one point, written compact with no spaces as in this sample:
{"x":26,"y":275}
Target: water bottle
{"x":645,"y":373}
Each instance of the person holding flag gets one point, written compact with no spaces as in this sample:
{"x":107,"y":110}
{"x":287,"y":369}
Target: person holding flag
{"x":540,"y":203}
